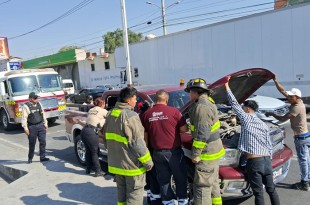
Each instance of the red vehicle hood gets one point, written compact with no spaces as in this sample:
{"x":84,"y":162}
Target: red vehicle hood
{"x":242,"y":83}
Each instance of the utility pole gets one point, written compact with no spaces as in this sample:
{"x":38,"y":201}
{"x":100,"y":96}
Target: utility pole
{"x":126,"y":46}
{"x":163,"y":13}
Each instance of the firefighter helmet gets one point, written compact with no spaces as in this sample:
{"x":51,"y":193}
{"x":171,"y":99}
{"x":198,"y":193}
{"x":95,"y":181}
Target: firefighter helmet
{"x":196,"y":83}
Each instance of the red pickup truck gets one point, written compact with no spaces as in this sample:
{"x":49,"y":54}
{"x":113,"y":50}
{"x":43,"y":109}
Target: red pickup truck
{"x":232,"y":173}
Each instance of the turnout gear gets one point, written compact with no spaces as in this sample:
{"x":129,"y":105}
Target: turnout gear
{"x":207,"y":149}
{"x":35,"y":116}
{"x":128,"y":156}
{"x":196,"y":83}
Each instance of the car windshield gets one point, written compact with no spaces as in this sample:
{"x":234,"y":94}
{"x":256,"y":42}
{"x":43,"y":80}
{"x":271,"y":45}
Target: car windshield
{"x":177,"y":98}
{"x":23,"y":85}
{"x":67,"y":85}
{"x":49,"y":82}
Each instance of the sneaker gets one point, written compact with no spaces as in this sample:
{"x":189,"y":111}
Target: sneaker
{"x":44,"y":159}
{"x":99,"y":174}
{"x":304,"y":186}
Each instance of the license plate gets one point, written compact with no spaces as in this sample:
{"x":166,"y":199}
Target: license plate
{"x":277,"y":173}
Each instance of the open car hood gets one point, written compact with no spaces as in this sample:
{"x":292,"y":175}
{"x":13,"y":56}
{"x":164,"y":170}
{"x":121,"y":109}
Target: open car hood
{"x":242,"y":83}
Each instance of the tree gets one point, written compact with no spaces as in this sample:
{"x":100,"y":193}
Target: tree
{"x":67,"y":48}
{"x":115,"y":39}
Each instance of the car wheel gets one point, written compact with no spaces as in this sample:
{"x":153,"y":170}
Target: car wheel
{"x":80,"y":150}
{"x":6,"y":121}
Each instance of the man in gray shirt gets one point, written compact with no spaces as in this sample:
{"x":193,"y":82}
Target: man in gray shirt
{"x":297,"y":116}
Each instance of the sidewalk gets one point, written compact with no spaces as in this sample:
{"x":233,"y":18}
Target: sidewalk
{"x":52,"y":182}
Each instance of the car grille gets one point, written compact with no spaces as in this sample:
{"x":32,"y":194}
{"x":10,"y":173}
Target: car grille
{"x":49,"y":103}
{"x":281,"y":111}
{"x":277,"y":138}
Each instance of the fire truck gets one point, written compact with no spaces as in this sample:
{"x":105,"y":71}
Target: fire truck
{"x":15,"y":87}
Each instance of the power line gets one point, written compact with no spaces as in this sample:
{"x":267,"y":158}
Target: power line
{"x":68,"y":13}
{"x":5,"y":2}
{"x":213,"y":18}
{"x":204,"y":14}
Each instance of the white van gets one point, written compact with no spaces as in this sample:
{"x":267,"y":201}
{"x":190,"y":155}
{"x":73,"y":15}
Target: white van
{"x":68,"y":86}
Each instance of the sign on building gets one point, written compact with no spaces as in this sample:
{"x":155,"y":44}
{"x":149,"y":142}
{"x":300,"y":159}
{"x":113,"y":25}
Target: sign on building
{"x":4,"y":48}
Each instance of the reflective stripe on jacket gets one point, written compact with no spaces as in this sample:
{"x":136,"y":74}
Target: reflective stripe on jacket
{"x":204,"y":126}
{"x":124,"y":135}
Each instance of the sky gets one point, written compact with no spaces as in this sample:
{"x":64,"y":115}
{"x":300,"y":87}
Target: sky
{"x":36,"y":28}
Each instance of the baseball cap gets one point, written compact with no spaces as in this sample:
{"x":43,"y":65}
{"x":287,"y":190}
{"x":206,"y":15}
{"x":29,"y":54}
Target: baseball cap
{"x":294,"y":91}
{"x":33,"y":95}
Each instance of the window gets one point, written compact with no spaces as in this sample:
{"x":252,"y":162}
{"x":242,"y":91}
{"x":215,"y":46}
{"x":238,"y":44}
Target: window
{"x":107,"y":65}
{"x":136,"y":71}
{"x":177,"y":98}
{"x":92,"y":67}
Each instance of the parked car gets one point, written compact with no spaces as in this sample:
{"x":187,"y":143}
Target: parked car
{"x":68,"y":86}
{"x":81,"y":96}
{"x":269,"y":104}
{"x":232,"y":173}
{"x":105,"y":87}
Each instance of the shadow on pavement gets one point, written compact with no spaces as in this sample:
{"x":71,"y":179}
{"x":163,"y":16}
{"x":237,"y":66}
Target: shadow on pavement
{"x":87,"y":193}
{"x":59,"y":166}
{"x":67,"y":154}
{"x":43,"y":199}
{"x":17,"y":130}
{"x":60,"y":138}
{"x":284,"y":186}
{"x":235,"y":201}
{"x":12,"y":162}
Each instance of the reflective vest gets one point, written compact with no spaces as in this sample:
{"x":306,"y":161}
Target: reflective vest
{"x":200,"y":142}
{"x":122,"y":159}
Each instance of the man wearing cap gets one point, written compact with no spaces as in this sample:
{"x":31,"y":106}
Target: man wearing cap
{"x":35,"y":125}
{"x":297,"y":116}
{"x":207,"y":146}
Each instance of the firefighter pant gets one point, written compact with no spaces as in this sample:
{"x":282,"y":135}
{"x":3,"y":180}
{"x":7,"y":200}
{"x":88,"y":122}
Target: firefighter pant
{"x":153,"y":187}
{"x":206,"y":183}
{"x":90,"y":140}
{"x":37,"y":131}
{"x":171,"y":163}
{"x":130,"y":189}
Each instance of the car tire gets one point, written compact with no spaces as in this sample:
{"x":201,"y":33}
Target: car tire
{"x":5,"y":121}
{"x":80,"y":149}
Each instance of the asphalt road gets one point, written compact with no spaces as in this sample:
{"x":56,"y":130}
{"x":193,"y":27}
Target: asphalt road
{"x":59,"y":147}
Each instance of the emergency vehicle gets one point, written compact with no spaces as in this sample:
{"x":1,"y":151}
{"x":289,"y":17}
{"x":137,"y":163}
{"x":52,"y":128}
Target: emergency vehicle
{"x":15,"y":87}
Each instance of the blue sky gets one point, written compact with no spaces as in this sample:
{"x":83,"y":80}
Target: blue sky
{"x":86,"y":26}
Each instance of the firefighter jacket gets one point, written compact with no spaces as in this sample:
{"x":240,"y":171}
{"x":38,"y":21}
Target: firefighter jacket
{"x":124,"y":137}
{"x":204,"y":126}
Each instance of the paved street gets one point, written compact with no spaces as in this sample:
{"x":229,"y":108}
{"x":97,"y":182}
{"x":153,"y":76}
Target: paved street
{"x":62,"y":152}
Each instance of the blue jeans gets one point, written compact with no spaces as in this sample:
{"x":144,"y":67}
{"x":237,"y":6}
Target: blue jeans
{"x":302,"y":149}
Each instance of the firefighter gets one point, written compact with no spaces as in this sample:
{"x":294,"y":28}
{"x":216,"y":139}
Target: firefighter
{"x":129,"y":157}
{"x":207,"y":146}
{"x":35,"y":125}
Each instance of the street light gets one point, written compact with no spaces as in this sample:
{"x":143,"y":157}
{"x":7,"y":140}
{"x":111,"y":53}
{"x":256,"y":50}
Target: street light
{"x":163,"y":12}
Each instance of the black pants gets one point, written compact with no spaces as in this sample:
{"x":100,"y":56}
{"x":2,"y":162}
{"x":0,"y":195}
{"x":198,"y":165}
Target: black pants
{"x":37,"y":131}
{"x":260,"y":172}
{"x":90,"y":140}
{"x":168,"y":163}
{"x":153,"y":187}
